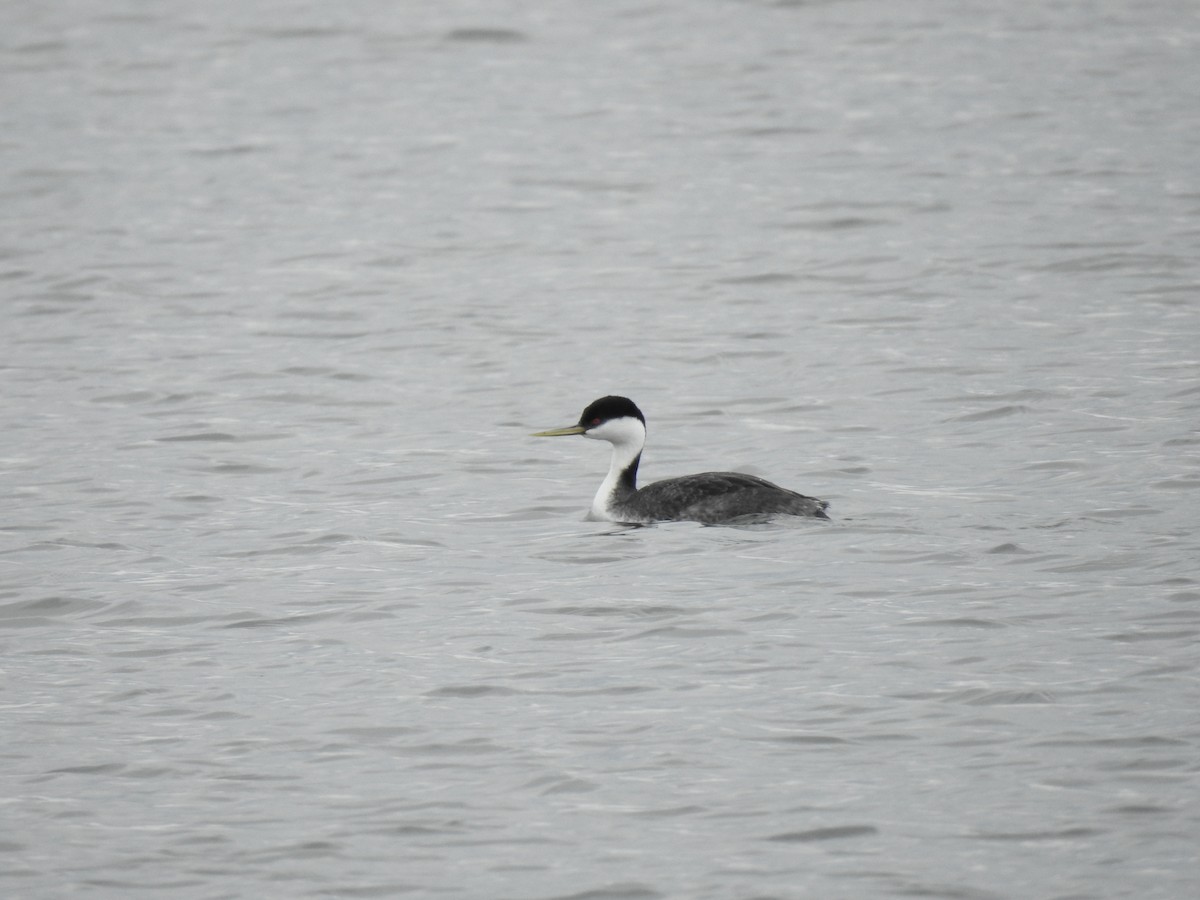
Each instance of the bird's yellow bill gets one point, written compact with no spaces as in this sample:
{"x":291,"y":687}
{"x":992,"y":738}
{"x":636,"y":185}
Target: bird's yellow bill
{"x":560,"y":432}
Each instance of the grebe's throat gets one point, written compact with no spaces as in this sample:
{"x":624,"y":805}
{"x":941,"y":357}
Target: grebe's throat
{"x":628,"y":437}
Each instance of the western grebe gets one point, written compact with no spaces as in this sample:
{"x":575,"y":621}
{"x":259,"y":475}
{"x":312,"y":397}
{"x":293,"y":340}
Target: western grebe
{"x":709,"y":497}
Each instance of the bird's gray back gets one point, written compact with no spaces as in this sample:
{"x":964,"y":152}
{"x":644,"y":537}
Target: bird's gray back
{"x":712,"y":497}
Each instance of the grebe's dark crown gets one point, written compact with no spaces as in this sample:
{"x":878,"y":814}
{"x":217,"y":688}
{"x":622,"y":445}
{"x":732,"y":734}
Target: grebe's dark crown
{"x":606,"y":408}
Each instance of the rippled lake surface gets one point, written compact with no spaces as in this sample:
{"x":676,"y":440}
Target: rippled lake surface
{"x":291,"y":605}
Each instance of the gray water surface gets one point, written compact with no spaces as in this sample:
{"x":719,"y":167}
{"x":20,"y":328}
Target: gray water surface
{"x":292,"y":606}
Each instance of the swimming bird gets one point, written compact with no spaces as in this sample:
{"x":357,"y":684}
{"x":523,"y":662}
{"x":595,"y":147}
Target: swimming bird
{"x":710,"y":497}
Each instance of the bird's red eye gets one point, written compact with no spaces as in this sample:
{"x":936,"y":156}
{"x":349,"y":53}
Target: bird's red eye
{"x":596,"y":421}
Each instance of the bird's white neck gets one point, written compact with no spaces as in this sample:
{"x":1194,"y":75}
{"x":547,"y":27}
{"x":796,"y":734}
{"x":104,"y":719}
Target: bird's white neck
{"x":628,"y":437}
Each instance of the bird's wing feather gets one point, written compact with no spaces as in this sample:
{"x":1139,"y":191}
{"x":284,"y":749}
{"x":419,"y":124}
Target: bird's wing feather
{"x":714,"y":496}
